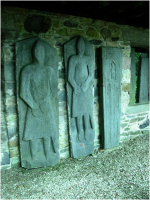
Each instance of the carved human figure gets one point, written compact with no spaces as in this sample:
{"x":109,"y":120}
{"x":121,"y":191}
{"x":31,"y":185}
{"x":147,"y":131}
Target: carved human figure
{"x":79,"y":76}
{"x":38,"y":88}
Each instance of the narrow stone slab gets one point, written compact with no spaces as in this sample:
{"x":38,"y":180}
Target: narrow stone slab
{"x":144,"y":79}
{"x":79,"y":68}
{"x":133,"y":77}
{"x":111,"y":74}
{"x":37,"y":100}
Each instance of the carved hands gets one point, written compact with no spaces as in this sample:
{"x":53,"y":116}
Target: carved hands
{"x":84,"y":87}
{"x":77,"y":90}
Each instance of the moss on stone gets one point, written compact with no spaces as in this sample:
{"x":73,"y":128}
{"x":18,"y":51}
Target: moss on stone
{"x":63,"y":31}
{"x":92,"y":32}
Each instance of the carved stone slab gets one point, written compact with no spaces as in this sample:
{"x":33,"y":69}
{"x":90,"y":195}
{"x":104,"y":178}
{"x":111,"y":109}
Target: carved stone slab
{"x":111,"y":68}
{"x":79,"y":68}
{"x":37,"y":100}
{"x":144,"y":79}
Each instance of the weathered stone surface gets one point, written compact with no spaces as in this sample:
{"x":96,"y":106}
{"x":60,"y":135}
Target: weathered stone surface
{"x":126,"y":63}
{"x":37,"y":82}
{"x":111,"y":60}
{"x":105,"y":33}
{"x":92,"y":32}
{"x":70,"y":24}
{"x":126,"y":87}
{"x":5,"y":159}
{"x":79,"y":67}
{"x":96,"y":42}
{"x":63,"y":32}
{"x":37,"y":24}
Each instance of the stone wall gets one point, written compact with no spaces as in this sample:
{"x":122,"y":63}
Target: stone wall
{"x":56,"y":29}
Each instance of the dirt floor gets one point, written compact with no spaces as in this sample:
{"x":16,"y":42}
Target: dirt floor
{"x":119,"y":174}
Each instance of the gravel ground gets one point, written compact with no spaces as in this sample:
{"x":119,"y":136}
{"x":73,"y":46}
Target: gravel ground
{"x":119,"y":174}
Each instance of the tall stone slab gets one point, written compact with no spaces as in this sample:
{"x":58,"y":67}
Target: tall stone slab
{"x":144,"y":79}
{"x":110,"y":93}
{"x":79,"y":68}
{"x":37,"y":100}
{"x":133,"y":77}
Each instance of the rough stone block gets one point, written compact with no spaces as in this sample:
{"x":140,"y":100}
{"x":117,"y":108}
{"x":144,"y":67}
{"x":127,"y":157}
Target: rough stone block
{"x":112,"y":44}
{"x":70,"y":24}
{"x":13,"y":142}
{"x":63,"y":32}
{"x":37,"y":24}
{"x":92,"y":32}
{"x":57,"y":24}
{"x":96,"y":42}
{"x":12,"y":131}
{"x":126,"y":75}
{"x":126,"y":87}
{"x":9,"y":71}
{"x":4,"y":136}
{"x":10,"y":101}
{"x":126,"y":63}
{"x":126,"y":52}
{"x":62,"y":96}
{"x":106,"y":33}
{"x":144,"y":124}
{"x":15,"y":162}
{"x":14,"y":152}
{"x":9,"y":54}
{"x":75,"y":32}
{"x":5,"y":159}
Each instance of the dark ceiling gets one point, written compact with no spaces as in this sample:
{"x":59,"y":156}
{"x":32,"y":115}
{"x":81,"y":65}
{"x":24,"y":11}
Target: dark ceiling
{"x":133,"y":13}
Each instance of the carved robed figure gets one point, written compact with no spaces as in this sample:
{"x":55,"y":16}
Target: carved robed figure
{"x":38,"y":89}
{"x":79,"y":68}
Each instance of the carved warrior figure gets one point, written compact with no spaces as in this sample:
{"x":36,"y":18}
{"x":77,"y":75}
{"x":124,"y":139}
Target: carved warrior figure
{"x":38,"y":83}
{"x":79,"y":76}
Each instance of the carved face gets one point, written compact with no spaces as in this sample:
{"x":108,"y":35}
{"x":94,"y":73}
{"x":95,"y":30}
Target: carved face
{"x":81,"y":46}
{"x":39,"y":52}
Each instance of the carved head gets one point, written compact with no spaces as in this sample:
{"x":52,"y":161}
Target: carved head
{"x":39,"y":52}
{"x":81,"y":46}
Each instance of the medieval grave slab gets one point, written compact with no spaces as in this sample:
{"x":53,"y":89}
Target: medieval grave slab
{"x":37,"y":100}
{"x":79,"y":68}
{"x":144,"y":79}
{"x":110,"y":94}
